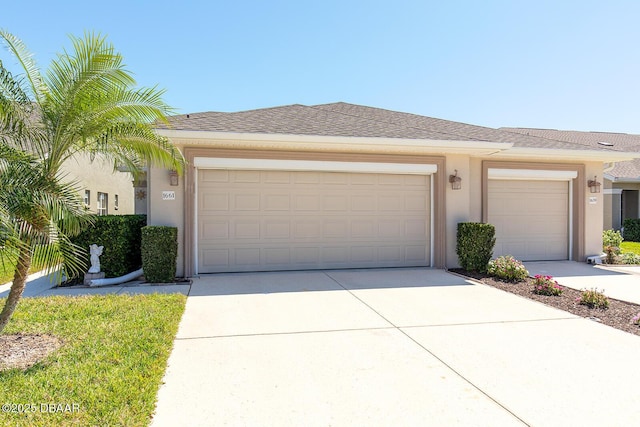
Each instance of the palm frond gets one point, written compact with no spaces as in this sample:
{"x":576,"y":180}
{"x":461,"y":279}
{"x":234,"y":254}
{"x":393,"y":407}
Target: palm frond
{"x":27,"y":62}
{"x":142,"y":143}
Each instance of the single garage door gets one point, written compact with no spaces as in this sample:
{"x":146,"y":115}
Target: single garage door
{"x":531,"y":218}
{"x":252,"y":220}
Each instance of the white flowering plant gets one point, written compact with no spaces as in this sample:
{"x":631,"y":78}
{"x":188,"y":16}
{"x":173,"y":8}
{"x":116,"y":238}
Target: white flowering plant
{"x":507,"y":268}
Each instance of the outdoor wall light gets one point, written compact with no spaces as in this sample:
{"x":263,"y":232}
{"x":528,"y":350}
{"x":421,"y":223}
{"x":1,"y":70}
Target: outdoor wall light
{"x":594,"y":185}
{"x":173,"y":178}
{"x":455,"y":180}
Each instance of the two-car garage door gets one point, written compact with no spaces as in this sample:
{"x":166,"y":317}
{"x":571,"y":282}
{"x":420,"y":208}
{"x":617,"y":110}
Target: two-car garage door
{"x":260,"y":220}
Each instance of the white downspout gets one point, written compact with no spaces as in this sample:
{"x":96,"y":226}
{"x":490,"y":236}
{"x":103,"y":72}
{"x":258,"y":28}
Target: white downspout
{"x":116,"y":280}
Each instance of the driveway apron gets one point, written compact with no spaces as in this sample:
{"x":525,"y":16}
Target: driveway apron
{"x":389,"y":347}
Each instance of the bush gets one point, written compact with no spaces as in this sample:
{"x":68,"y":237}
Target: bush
{"x":629,"y":258}
{"x":545,"y":285}
{"x":120,"y":235}
{"x":474,"y":247}
{"x":159,"y":253}
{"x":507,"y":268}
{"x":611,"y":252}
{"x":611,"y":238}
{"x":593,"y":298}
{"x":631,"y":228}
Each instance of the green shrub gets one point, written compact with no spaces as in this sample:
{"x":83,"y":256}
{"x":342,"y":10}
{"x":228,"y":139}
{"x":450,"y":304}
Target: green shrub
{"x":629,"y":258}
{"x":631,"y":229}
{"x":593,"y":298}
{"x":507,"y":268}
{"x":159,"y":253}
{"x":120,"y":235}
{"x":545,"y":285}
{"x":611,"y":238}
{"x":475,"y":242}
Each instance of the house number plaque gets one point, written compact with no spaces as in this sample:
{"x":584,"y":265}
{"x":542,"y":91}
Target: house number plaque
{"x":168,"y":195}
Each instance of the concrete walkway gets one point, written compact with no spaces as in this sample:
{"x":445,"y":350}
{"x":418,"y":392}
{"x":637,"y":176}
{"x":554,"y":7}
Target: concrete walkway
{"x":39,"y":285}
{"x":619,"y":282}
{"x":390,"y":347}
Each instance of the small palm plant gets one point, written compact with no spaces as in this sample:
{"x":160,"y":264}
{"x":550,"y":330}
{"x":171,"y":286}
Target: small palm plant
{"x":86,"y":102}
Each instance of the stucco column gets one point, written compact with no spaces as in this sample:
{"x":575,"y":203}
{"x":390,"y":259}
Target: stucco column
{"x":458,"y":202}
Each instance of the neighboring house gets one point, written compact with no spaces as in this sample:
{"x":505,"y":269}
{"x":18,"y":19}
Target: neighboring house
{"x":621,"y":180}
{"x":348,"y":186}
{"x":105,"y":191}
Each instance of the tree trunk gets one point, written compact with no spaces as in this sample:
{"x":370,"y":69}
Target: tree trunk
{"x":17,"y":287}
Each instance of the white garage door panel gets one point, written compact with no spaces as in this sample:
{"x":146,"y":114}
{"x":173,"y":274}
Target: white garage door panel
{"x":531,"y":218}
{"x":275,"y":220}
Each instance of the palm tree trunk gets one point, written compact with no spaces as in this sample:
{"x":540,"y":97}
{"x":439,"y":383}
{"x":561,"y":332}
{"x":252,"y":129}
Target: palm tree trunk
{"x":17,"y":287}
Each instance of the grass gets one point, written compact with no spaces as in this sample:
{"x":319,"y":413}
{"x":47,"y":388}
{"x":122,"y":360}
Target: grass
{"x":630,"y":247}
{"x":111,"y":364}
{"x":7,"y":268}
{"x":6,"y":271}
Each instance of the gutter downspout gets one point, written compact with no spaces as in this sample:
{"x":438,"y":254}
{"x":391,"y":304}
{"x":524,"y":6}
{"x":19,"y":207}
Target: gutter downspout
{"x":116,"y":280}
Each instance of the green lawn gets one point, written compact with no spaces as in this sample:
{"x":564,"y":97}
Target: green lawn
{"x":630,"y":247}
{"x":7,"y":268}
{"x":6,"y":272}
{"x":111,"y":364}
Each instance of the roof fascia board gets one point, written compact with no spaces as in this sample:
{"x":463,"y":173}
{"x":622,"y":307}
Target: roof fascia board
{"x":281,"y":139}
{"x":622,"y":180}
{"x":589,"y":155}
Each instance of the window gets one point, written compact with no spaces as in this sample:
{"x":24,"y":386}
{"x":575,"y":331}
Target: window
{"x":87,"y":198}
{"x":103,"y":203}
{"x":115,"y":202}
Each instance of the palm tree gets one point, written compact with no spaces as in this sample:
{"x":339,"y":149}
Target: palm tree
{"x":85,"y":103}
{"x":37,"y":216}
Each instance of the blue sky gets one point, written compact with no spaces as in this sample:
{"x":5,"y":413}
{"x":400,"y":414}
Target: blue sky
{"x":549,"y":64}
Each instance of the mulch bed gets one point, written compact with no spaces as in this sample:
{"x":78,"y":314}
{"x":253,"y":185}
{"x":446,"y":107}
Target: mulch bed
{"x":618,"y":315}
{"x":20,"y":351}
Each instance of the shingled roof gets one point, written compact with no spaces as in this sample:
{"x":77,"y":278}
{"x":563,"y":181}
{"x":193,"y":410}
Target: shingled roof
{"x":349,"y":120}
{"x":629,"y":170}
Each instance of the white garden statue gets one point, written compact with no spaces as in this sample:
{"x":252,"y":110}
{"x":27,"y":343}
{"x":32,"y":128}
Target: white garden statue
{"x":96,"y":251}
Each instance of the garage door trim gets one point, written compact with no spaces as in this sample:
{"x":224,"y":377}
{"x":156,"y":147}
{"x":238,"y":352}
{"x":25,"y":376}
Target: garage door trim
{"x":313,"y":165}
{"x":317,"y":166}
{"x":533,"y":174}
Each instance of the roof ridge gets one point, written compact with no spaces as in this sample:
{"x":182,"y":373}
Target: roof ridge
{"x":319,"y":106}
{"x":573,"y":131}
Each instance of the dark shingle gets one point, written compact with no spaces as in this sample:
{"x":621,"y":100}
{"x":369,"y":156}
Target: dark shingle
{"x":349,"y":120}
{"x":594,"y":140}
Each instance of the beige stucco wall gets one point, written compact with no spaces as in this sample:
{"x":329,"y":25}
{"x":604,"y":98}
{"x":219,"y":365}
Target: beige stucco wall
{"x":475,"y":190}
{"x":167,"y":212}
{"x":461,"y":205}
{"x":594,"y":212}
{"x":98,"y":176}
{"x":607,"y":219}
{"x":458,"y":202}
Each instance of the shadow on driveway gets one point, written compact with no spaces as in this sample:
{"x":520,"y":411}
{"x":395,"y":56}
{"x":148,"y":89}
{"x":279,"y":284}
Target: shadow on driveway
{"x":320,"y":280}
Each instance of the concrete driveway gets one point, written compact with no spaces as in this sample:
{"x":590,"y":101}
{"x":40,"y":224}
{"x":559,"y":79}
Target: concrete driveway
{"x":619,"y":282}
{"x":390,"y":347}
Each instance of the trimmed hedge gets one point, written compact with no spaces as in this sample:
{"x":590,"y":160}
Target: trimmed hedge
{"x":159,"y":253}
{"x":120,"y":235}
{"x":474,"y":247}
{"x":631,"y":229}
